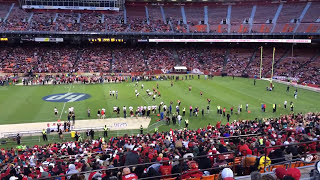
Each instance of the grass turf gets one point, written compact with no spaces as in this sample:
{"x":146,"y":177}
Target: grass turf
{"x":24,"y":104}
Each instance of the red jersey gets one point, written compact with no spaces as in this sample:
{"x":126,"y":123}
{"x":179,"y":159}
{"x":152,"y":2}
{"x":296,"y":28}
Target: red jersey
{"x":165,"y":170}
{"x":131,"y":176}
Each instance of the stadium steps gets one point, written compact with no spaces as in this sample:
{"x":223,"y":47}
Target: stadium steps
{"x":205,"y":11}
{"x":30,"y":21}
{"x":171,"y":26}
{"x":147,"y":15}
{"x":276,"y":16}
{"x":183,"y":14}
{"x":284,"y":55}
{"x":176,"y":57}
{"x":78,"y":59}
{"x":302,"y":15}
{"x":312,"y":59}
{"x":30,"y":18}
{"x":163,"y":15}
{"x":8,"y":14}
{"x":229,"y":18}
{"x":253,"y":12}
{"x":145,"y":59}
{"x":111,"y":61}
{"x":225,"y":62}
{"x":206,"y":18}
{"x":102,"y":18}
{"x":251,"y":60}
{"x":124,"y":15}
{"x":55,"y":17}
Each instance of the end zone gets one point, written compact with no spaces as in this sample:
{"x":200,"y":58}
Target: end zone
{"x":113,"y":124}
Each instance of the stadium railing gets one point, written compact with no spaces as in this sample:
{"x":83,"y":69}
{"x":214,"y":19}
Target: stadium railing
{"x":149,"y":33}
{"x":233,"y":162}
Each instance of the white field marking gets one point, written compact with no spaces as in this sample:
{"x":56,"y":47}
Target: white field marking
{"x":64,"y":105}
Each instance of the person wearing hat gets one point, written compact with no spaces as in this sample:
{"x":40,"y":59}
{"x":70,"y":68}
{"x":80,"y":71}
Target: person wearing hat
{"x":127,"y":175}
{"x":18,"y":138}
{"x":264,"y":160}
{"x":294,"y":172}
{"x":44,"y":135}
{"x":193,"y":171}
{"x":280,"y":173}
{"x":166,"y":168}
{"x":248,"y":161}
{"x":227,"y":174}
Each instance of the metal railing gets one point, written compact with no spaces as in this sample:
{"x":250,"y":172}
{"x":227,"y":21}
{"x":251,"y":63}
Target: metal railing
{"x":232,"y":163}
{"x":152,"y":33}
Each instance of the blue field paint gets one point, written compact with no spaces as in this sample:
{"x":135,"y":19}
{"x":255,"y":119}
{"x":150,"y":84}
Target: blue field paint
{"x":66,"y":97}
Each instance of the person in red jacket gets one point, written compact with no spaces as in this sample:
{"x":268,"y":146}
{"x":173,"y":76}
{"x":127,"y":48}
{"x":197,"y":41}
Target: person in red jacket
{"x":192,"y":172}
{"x":166,"y":168}
{"x":127,"y":175}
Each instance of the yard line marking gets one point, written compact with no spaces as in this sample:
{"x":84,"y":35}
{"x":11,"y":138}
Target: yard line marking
{"x":64,"y":105}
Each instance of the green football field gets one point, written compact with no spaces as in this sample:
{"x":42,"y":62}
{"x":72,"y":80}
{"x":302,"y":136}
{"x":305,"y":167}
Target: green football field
{"x":24,"y":104}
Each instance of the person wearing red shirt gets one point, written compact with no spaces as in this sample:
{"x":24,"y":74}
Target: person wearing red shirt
{"x":127,"y":175}
{"x":166,"y":168}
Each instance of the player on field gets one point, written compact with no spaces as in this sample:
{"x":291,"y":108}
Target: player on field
{"x":285,"y":104}
{"x":103,"y":113}
{"x":124,"y":109}
{"x":131,"y":111}
{"x":190,"y":88}
{"x":98,"y":113}
{"x":55,"y":111}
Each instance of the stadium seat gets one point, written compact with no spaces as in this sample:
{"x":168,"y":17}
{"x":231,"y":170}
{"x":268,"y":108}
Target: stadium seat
{"x":277,"y":166}
{"x":194,"y":178}
{"x":296,"y":164}
{"x":211,"y":177}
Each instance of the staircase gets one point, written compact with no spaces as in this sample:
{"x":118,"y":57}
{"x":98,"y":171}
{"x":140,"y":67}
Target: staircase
{"x":8,"y":14}
{"x":124,"y":15}
{"x":250,"y":61}
{"x":147,"y":15}
{"x":30,"y":21}
{"x":206,"y":19}
{"x":285,"y":54}
{"x":78,"y":59}
{"x":111,"y":61}
{"x":229,"y":18}
{"x":315,"y":57}
{"x":163,"y":15}
{"x":302,"y":15}
{"x":176,"y":57}
{"x":253,"y":12}
{"x":225,"y":61}
{"x":276,"y":16}
{"x":183,"y":13}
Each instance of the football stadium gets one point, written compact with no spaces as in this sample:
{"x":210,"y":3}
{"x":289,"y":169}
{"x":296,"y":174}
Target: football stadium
{"x":160,"y":89}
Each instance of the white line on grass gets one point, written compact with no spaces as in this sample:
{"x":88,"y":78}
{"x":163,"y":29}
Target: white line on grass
{"x":64,"y":105}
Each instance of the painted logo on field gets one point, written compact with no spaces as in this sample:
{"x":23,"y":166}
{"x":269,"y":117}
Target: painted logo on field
{"x":66,"y":97}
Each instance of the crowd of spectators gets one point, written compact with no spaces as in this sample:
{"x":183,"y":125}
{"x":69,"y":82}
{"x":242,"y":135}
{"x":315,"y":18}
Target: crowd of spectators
{"x":207,"y":150}
{"x":122,"y":59}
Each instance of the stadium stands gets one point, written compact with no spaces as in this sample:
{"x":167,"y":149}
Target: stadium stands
{"x":281,"y":140}
{"x":20,"y":20}
{"x":210,"y":60}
